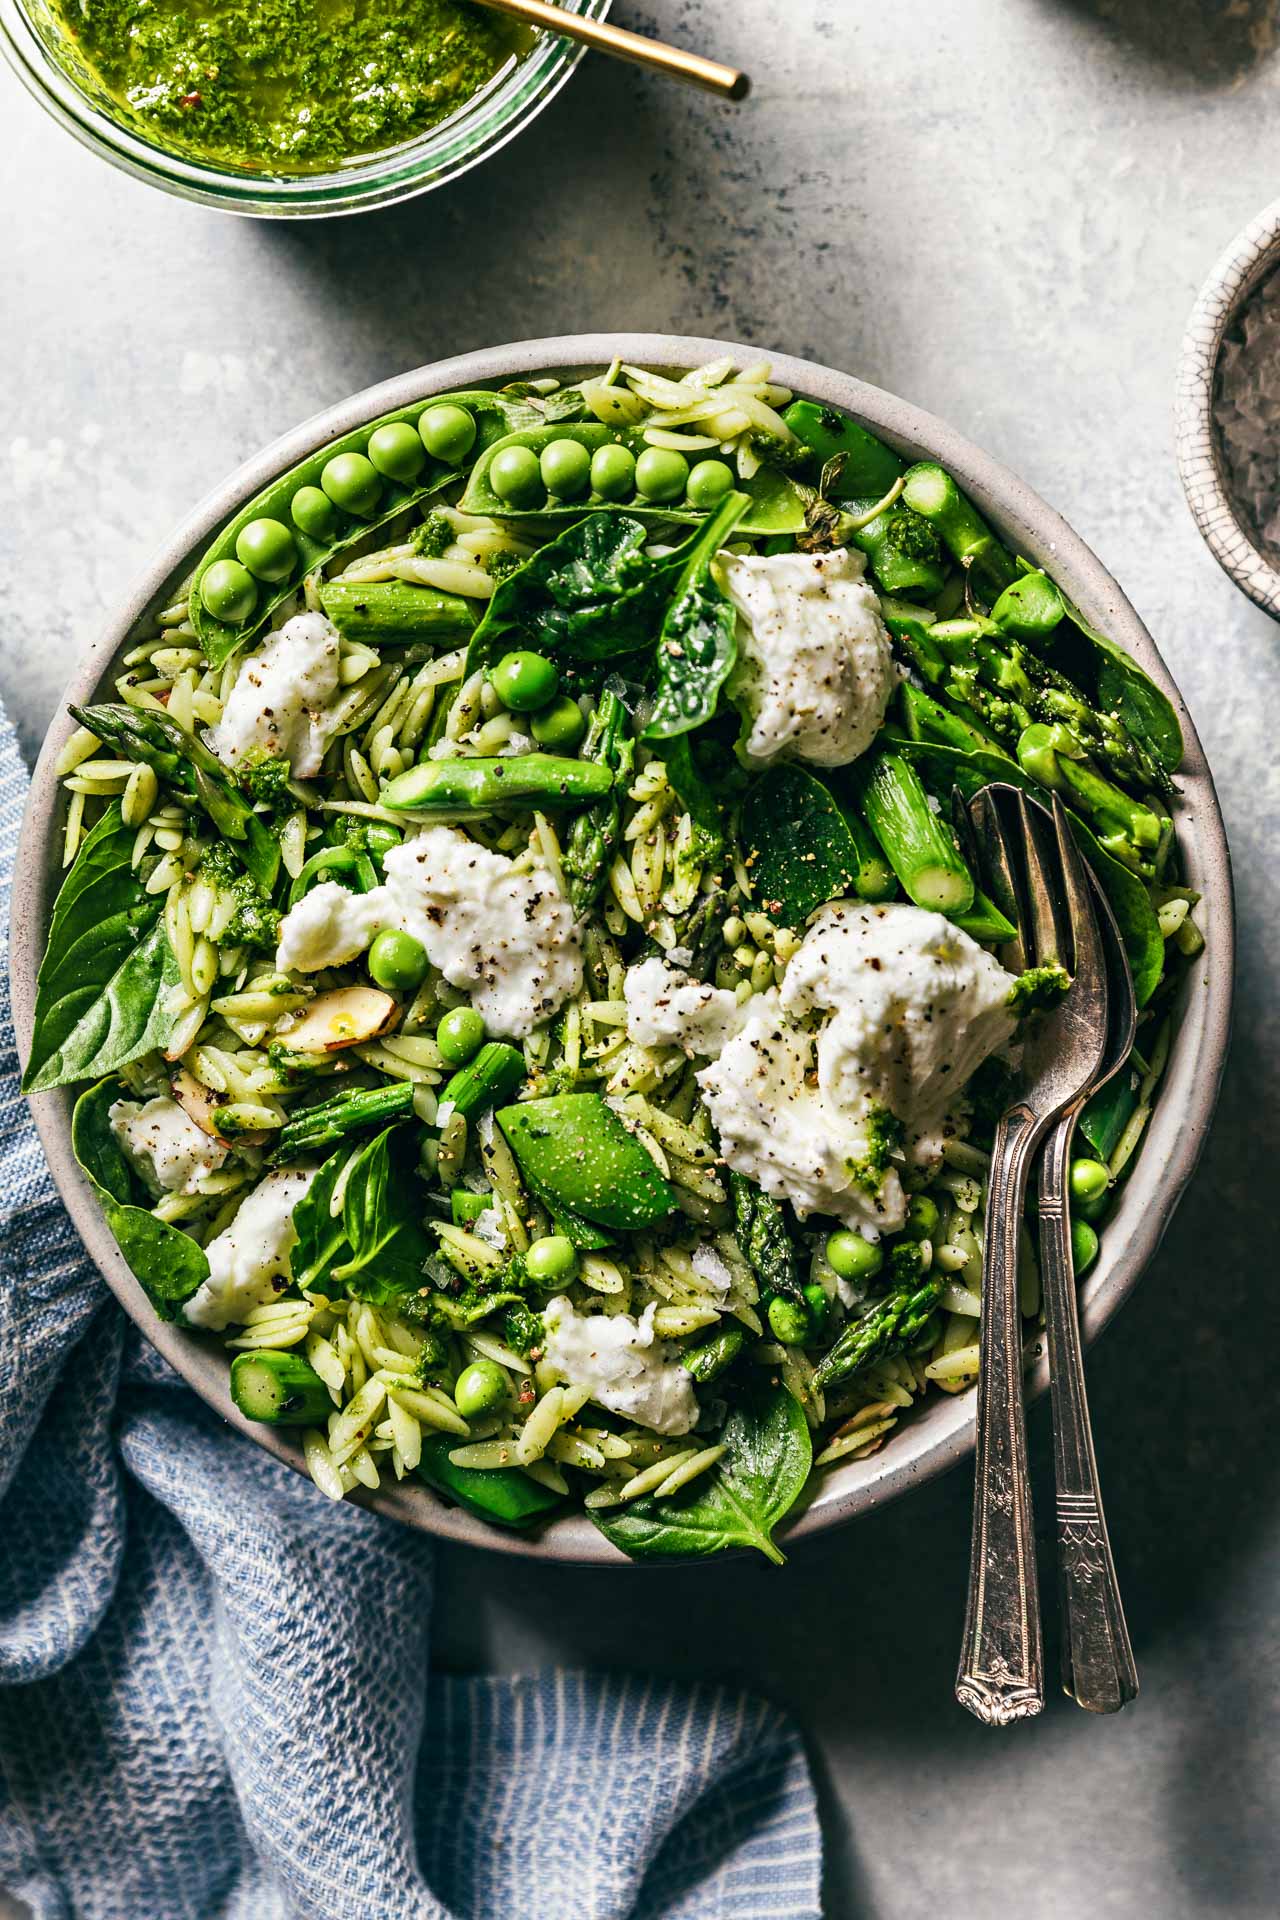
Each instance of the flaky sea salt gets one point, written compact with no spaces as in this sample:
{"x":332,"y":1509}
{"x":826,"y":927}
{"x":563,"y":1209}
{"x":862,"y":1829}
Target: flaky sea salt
{"x":1246,"y":413}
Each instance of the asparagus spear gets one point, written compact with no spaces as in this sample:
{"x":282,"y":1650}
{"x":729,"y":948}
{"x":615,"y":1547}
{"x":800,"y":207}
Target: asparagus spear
{"x":707,"y":1362}
{"x":902,"y":547}
{"x":280,"y":1389}
{"x":918,"y":845}
{"x":761,"y":1232}
{"x":929,"y":490}
{"x":481,"y":785}
{"x":702,"y":931}
{"x":593,"y":836}
{"x":892,"y":1324}
{"x":491,"y":1077}
{"x":331,"y":1120}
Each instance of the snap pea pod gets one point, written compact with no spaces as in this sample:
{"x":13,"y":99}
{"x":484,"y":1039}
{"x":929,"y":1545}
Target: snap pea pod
{"x":592,"y":839}
{"x":480,"y":785}
{"x":903,"y":549}
{"x":518,"y":489}
{"x":184,"y":760}
{"x":707,"y":1362}
{"x":493,"y":1075}
{"x":280,"y":1389}
{"x":869,"y":468}
{"x":332,"y":1120}
{"x":313,"y":522}
{"x":984,"y":921}
{"x":761,"y":1231}
{"x":890,"y":1326}
{"x":331,"y":860}
{"x":392,"y":612}
{"x":930,"y":491}
{"x":501,"y":1494}
{"x":1030,"y":608}
{"x":577,"y":1155}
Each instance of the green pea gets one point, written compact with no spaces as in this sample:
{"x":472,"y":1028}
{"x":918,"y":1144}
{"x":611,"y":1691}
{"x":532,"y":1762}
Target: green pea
{"x":661,"y":474}
{"x":516,"y":477}
{"x":448,"y":433}
{"x":525,"y":681}
{"x":313,"y":514}
{"x":852,"y":1257}
{"x":352,"y":483}
{"x":551,"y":1259}
{"x":397,"y":960}
{"x":1089,"y":1180}
{"x":460,"y":1035}
{"x":397,"y":452}
{"x":566,"y":469}
{"x":267,"y":548}
{"x":922,"y":1218}
{"x":709,"y":482}
{"x":818,"y":1303}
{"x":613,"y":472}
{"x":379,"y":838}
{"x":789,"y":1321}
{"x":479,"y":1388}
{"x":1084,"y":1246}
{"x":560,"y":725}
{"x":228,"y":592}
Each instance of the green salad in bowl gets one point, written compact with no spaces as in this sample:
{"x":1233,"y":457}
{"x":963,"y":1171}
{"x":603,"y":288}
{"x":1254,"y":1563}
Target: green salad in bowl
{"x":531,"y":1005}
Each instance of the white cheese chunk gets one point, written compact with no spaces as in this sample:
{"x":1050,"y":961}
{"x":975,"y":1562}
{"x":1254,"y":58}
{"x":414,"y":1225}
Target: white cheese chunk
{"x":280,"y":702}
{"x":622,"y":1364}
{"x":163,"y":1145}
{"x":249,"y":1260}
{"x":667,"y":1009}
{"x":815,"y":666}
{"x":329,"y":926}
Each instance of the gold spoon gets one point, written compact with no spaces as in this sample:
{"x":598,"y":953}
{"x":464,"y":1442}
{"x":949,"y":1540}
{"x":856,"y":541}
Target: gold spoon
{"x":727,"y":82}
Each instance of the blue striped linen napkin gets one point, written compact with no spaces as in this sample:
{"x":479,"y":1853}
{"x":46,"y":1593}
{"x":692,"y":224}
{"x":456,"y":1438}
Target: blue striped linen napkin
{"x":214,"y":1699}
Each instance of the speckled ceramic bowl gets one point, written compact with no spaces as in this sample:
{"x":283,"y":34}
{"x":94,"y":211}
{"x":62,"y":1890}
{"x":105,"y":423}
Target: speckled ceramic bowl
{"x":1247,"y":261}
{"x":941,"y":1432}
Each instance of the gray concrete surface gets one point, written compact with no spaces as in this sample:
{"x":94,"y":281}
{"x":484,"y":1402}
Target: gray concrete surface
{"x":1002,"y":209}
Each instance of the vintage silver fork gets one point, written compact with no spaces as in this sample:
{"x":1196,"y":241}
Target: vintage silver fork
{"x":1098,"y":1668}
{"x":1031,"y":869}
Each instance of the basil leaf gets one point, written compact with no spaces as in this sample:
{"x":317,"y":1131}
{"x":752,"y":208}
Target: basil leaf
{"x":107,"y":978}
{"x":798,"y":846}
{"x":382,"y":1220}
{"x":322,"y":1238}
{"x":168,"y":1264}
{"x":698,"y":644}
{"x":737,"y":1504}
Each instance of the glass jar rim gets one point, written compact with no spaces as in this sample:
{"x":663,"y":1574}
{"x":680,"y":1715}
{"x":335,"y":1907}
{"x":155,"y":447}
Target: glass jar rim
{"x":491,"y":118}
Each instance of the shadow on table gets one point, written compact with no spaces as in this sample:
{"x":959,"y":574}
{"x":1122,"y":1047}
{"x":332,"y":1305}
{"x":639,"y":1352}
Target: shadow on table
{"x":1206,"y":43}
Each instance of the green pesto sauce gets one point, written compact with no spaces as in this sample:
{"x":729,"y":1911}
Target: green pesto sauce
{"x":286,"y":86}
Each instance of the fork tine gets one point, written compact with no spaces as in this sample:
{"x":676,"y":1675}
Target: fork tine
{"x":1088,"y":962}
{"x":998,"y":870}
{"x":1041,"y":931}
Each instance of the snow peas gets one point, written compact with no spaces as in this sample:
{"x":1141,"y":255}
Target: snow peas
{"x":308,"y":515}
{"x":479,"y":785}
{"x":388,"y":612}
{"x":518,"y":477}
{"x":869,"y":467}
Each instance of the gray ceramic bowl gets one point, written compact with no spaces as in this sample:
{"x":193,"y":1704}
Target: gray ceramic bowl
{"x":1252,"y":255}
{"x":941,"y":1433}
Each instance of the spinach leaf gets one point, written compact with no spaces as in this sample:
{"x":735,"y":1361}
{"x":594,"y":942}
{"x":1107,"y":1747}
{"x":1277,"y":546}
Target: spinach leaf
{"x":1130,"y":900}
{"x":698,"y":644}
{"x":322,"y":1237}
{"x":382,"y":1220}
{"x":1108,"y":1112}
{"x":1125,"y":690}
{"x":106,"y":982}
{"x":168,"y":1264}
{"x":737,"y":1504}
{"x":797,"y":843}
{"x":591,"y":594}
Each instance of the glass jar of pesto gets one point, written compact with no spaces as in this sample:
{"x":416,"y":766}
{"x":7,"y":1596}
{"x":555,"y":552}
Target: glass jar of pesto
{"x":286,"y":108}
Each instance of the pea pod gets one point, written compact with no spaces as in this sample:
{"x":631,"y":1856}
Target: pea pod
{"x":775,"y":505}
{"x":480,"y":785}
{"x":576,"y":1154}
{"x":388,"y":612}
{"x":318,"y":528}
{"x":869,"y":467}
{"x":493,"y":1075}
{"x":501,"y":1494}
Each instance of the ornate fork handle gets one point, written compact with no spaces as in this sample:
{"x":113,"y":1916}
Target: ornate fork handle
{"x":1098,"y":1668}
{"x":1001,"y":1676}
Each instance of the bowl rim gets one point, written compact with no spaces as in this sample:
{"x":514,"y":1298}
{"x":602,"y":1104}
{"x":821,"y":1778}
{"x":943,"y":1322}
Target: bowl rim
{"x":943,"y":1431}
{"x":1239,"y":269}
{"x":481,"y":127}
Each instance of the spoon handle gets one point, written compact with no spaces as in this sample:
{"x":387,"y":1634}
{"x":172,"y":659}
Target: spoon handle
{"x":727,"y":82}
{"x":1098,"y":1668}
{"x":1001,"y":1661}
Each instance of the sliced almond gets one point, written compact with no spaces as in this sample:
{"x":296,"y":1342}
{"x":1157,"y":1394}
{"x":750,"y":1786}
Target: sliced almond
{"x":344,"y":1017}
{"x":199,"y":1103}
